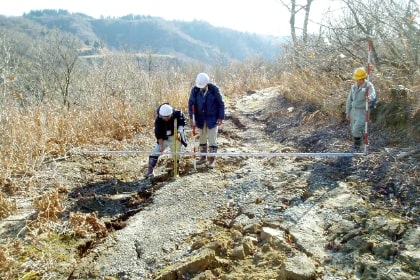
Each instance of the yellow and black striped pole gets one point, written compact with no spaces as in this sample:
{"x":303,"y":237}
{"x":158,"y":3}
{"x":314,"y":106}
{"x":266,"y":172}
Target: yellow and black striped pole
{"x":175,"y":148}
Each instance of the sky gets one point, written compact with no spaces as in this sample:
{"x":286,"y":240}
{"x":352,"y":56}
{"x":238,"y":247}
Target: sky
{"x":256,"y":16}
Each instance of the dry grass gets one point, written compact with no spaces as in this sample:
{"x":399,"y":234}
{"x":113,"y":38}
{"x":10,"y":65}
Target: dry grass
{"x":7,"y":207}
{"x":326,"y":93}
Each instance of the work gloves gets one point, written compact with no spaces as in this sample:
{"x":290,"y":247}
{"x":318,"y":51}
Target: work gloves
{"x":183,"y":139}
{"x":181,"y":136}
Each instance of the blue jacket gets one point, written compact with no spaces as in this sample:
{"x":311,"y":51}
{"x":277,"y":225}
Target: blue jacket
{"x":208,"y":108}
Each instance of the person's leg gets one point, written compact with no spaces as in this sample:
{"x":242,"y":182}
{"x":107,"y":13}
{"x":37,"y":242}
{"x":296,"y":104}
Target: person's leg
{"x":212,"y":135}
{"x":153,"y":159}
{"x":202,"y":140}
{"x":358,"y":124}
{"x":171,"y":144}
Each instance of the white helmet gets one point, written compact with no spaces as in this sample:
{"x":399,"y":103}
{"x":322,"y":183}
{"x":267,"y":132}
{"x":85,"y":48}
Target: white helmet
{"x":165,"y":110}
{"x":202,"y":80}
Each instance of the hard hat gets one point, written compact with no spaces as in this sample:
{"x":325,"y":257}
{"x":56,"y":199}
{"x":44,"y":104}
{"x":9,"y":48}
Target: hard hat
{"x":202,"y":80}
{"x":359,"y":73}
{"x":165,"y":110}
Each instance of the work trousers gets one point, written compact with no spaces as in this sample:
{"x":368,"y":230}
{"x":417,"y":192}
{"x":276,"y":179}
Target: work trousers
{"x":167,"y":144}
{"x":208,"y":134}
{"x":357,"y":122}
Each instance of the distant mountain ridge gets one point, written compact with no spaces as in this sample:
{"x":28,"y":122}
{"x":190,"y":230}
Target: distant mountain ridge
{"x":190,"y":41}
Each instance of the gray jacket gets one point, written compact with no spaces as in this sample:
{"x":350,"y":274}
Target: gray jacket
{"x":357,"y":96}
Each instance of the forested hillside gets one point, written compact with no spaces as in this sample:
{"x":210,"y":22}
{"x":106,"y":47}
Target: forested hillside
{"x":191,"y":41}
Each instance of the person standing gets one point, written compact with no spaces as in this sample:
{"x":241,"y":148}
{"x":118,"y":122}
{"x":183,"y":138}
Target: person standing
{"x":356,"y":105}
{"x":209,"y":113}
{"x":164,"y":133}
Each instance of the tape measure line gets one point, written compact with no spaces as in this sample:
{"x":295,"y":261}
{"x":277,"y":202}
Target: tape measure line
{"x":231,"y":154}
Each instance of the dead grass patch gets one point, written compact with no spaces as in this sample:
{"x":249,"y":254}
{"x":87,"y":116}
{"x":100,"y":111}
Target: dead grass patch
{"x":7,"y":207}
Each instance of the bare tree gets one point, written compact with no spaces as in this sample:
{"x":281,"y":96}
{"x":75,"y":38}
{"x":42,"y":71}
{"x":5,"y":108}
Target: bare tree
{"x":294,"y":9}
{"x":5,"y":57}
{"x":56,"y":62}
{"x":11,"y":76}
{"x":297,"y":52}
{"x":393,"y":26}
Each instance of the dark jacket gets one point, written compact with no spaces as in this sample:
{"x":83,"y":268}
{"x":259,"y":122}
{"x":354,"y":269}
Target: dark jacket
{"x":162,"y":127}
{"x":208,"y":108}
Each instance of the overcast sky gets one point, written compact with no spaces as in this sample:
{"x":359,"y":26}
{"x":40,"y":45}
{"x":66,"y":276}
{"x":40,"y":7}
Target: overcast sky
{"x":255,"y":16}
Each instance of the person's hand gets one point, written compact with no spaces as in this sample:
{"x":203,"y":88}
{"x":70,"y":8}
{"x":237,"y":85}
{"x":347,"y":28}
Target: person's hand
{"x":183,"y":139}
{"x":219,"y":122}
{"x":348,"y":117}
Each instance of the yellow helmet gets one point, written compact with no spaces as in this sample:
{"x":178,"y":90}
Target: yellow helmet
{"x":359,"y":73}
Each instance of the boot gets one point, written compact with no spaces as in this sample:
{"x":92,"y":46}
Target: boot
{"x":203,"y":149}
{"x":357,"y":144}
{"x":150,"y":168}
{"x":212,"y":159}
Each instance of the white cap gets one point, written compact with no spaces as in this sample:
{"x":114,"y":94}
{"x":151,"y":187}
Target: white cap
{"x":165,"y":110}
{"x":202,"y":80}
